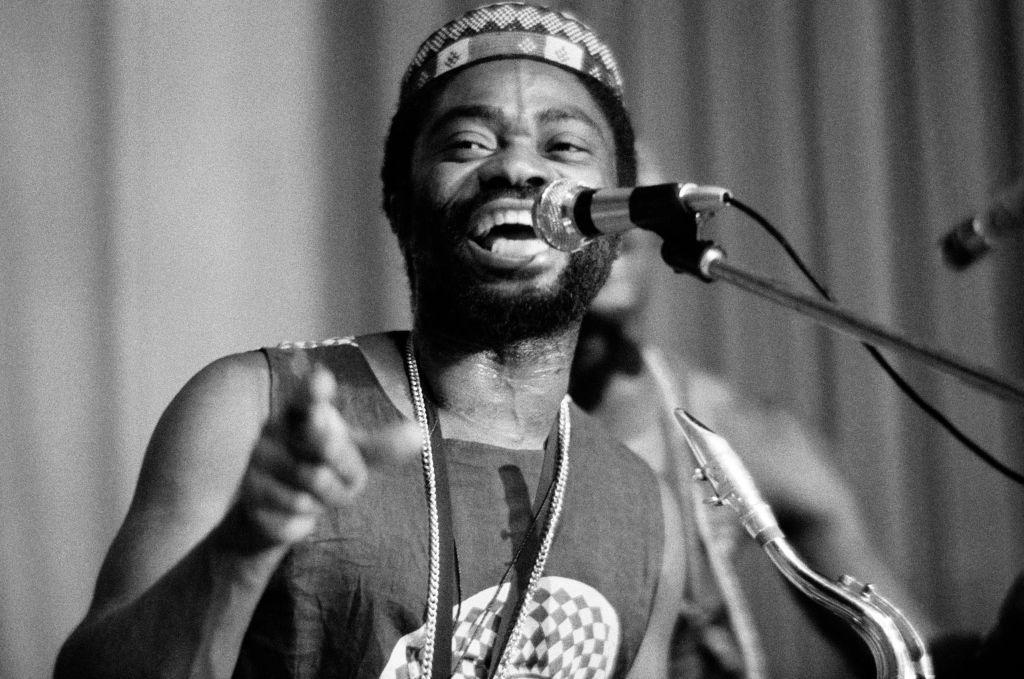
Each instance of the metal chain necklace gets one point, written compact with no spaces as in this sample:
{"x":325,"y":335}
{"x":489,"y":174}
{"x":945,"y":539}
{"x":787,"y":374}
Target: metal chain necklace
{"x":434,"y":570}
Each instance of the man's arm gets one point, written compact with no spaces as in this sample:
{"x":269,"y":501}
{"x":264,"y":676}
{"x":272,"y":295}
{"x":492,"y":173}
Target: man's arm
{"x":222,"y":494}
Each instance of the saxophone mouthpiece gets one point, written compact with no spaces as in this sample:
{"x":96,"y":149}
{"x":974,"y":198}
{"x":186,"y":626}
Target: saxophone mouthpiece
{"x":696,"y":421}
{"x":721,"y":467}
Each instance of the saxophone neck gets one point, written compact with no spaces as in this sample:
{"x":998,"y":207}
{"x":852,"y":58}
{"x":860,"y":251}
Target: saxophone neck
{"x":733,"y":486}
{"x":897,"y":648}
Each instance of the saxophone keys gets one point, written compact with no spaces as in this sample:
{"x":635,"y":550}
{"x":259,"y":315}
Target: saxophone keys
{"x":855,"y":586}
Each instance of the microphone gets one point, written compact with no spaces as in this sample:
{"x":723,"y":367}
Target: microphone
{"x":969,"y":240}
{"x":568,"y":215}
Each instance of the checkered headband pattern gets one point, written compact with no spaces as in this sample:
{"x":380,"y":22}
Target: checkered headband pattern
{"x":511,"y":30}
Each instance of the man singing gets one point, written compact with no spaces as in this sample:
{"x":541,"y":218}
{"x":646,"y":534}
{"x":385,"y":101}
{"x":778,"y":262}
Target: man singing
{"x":423,"y":503}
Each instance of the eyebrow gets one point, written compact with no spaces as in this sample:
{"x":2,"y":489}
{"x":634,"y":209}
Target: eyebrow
{"x":496,"y":116}
{"x":570,"y":112}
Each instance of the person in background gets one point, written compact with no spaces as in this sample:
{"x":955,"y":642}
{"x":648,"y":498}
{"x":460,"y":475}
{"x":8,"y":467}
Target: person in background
{"x":632,"y":386}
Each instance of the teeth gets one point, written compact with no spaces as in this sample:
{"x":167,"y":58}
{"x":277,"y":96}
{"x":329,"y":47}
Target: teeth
{"x":488,"y":220}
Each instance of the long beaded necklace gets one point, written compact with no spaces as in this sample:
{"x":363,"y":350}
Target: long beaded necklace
{"x":434,"y":569}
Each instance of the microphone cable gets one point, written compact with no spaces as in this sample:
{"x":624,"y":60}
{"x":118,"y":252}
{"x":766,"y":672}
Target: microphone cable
{"x":907,"y":389}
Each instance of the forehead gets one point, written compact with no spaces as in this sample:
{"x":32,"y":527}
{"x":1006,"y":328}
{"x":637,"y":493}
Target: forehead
{"x":520,"y":87}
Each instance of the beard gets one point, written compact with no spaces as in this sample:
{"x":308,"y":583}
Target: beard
{"x":448,"y":294}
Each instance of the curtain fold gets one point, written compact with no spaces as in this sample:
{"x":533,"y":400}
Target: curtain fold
{"x":184,"y":181}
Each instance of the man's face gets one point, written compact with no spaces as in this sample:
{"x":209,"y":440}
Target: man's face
{"x":493,"y":136}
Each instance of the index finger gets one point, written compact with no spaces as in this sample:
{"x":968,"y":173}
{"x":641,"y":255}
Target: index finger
{"x":317,"y":386}
{"x":305,"y":420}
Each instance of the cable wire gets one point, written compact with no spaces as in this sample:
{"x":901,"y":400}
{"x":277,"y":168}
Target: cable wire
{"x":893,"y":374}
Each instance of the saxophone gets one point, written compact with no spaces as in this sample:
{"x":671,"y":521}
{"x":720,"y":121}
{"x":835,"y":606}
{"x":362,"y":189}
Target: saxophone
{"x":897,"y":648}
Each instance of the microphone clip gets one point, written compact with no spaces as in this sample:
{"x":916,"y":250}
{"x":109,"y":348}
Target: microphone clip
{"x":682,"y":248}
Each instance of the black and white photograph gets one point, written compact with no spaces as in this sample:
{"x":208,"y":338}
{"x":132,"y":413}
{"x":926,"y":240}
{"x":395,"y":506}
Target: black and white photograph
{"x":462,"y":339}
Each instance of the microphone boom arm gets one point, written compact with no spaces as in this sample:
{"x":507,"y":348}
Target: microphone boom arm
{"x":707,"y":261}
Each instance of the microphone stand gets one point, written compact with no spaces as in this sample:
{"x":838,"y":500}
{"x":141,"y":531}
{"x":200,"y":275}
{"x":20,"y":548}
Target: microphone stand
{"x":686,"y":253}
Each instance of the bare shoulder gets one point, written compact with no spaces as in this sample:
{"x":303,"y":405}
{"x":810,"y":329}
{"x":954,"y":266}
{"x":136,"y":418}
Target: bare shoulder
{"x":209,"y":426}
{"x":190,"y":472}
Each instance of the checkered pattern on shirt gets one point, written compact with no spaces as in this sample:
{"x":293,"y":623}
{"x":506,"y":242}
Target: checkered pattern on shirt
{"x":474,"y":635}
{"x":565,"y":636}
{"x":570,"y":632}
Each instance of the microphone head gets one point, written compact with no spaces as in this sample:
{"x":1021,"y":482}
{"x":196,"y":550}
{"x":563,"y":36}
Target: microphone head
{"x":964,"y":245}
{"x":553,"y":217}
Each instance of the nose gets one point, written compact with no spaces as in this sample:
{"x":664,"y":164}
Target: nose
{"x":516,"y":164}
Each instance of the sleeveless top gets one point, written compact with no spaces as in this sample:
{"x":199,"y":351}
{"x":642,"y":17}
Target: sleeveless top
{"x":350,"y":599}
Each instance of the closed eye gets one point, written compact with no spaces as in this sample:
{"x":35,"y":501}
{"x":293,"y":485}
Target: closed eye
{"x":465,"y":148}
{"x":566,"y":147}
{"x":568,"y":150}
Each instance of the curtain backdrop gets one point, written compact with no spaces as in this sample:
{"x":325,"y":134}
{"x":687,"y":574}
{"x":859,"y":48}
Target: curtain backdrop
{"x":183,"y":180}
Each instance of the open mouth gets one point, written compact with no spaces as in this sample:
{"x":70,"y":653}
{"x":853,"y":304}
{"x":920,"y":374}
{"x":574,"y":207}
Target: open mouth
{"x":506,"y":232}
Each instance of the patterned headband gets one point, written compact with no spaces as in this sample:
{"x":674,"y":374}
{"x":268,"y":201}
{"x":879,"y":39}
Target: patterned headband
{"x":512,"y":30}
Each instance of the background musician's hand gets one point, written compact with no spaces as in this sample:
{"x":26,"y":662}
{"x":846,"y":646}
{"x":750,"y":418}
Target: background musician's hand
{"x":306,"y":460}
